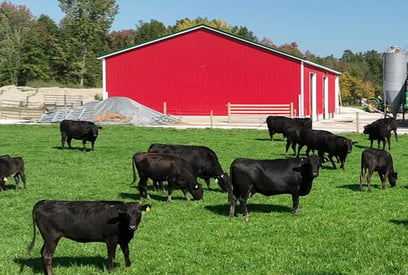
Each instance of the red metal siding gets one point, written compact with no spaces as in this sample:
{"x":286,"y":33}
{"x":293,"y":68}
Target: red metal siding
{"x":201,"y":71}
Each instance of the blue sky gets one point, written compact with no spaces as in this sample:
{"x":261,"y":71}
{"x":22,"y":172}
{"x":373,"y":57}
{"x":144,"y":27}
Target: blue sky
{"x":324,"y":27}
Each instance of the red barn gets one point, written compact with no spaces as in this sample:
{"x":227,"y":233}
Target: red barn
{"x":201,"y":69}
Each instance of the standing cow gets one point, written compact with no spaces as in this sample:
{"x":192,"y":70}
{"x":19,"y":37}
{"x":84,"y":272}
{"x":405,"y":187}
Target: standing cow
{"x":203,"y":160}
{"x":380,"y":161}
{"x":77,"y":129}
{"x":271,"y":177}
{"x":111,"y":222}
{"x":279,"y":124}
{"x":11,"y":166}
{"x":165,"y":167}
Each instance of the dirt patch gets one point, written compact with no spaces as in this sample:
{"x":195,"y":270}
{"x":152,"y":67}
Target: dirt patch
{"x":35,"y":96}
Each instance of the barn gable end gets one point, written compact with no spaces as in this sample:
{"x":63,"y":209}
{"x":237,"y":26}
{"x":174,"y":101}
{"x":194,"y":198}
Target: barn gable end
{"x":200,"y":70}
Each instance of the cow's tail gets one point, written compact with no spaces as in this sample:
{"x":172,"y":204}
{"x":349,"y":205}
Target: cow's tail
{"x":31,"y":245}
{"x":134,"y":170}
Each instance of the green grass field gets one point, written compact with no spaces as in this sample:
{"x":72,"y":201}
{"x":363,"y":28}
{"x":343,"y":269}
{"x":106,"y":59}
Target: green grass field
{"x":339,"y":230}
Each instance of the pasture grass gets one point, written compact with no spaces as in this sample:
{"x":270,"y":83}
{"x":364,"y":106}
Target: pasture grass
{"x":339,"y":230}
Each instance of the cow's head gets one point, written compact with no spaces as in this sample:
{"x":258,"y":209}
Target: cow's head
{"x":309,"y":166}
{"x":132,"y":214}
{"x":196,"y":191}
{"x":392,"y":178}
{"x":222,"y":181}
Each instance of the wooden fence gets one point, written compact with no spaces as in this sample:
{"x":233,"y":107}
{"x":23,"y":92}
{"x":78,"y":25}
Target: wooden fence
{"x":240,"y":112}
{"x":14,"y":109}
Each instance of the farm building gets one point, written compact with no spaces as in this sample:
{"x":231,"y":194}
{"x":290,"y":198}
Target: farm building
{"x":200,"y":70}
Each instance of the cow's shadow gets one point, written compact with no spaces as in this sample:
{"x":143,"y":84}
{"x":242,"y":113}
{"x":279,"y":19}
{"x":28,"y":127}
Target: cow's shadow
{"x":35,"y":264}
{"x":223,"y":209}
{"x":72,"y":149}
{"x":351,"y":186}
{"x":154,"y":196}
{"x":400,"y":222}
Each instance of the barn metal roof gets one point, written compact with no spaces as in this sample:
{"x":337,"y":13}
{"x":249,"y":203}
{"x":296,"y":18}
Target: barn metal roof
{"x":203,"y":26}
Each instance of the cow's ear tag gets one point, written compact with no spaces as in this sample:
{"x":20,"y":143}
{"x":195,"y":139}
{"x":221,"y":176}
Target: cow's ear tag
{"x":147,"y":208}
{"x":196,"y":186}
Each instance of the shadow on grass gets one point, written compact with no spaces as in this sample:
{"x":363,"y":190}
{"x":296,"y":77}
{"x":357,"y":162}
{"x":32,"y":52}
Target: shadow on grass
{"x":400,"y":222}
{"x":352,"y":187}
{"x":264,"y":139}
{"x":223,"y":209}
{"x":35,"y":264}
{"x":153,"y":196}
{"x":72,"y":149}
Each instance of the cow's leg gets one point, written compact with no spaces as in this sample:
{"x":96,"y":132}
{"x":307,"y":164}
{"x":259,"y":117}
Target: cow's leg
{"x":143,"y":187}
{"x":125,"y":250}
{"x":300,"y":146}
{"x":84,"y":145}
{"x":287,"y":147}
{"x":92,"y":144}
{"x":69,"y":142}
{"x":111,"y":246}
{"x":232,"y":201}
{"x":295,"y":203}
{"x":16,"y":180}
{"x":382,"y":178}
{"x":294,"y":148}
{"x":170,"y":186}
{"x":332,"y":161}
{"x":369,"y":174}
{"x":362,"y":175}
{"x":63,"y":138}
{"x":47,"y":251}
{"x":185,"y":194}
{"x":23,"y":178}
{"x":207,"y":181}
{"x":242,"y":201}
{"x":389,"y":142}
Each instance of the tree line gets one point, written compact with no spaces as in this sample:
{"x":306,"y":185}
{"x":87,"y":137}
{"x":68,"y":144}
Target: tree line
{"x":37,"y":51}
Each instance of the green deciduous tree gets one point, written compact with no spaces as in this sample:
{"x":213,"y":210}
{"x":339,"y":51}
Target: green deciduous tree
{"x":85,"y":30}
{"x":16,"y":22}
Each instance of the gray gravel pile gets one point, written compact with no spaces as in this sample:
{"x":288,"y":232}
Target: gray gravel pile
{"x":120,"y":110}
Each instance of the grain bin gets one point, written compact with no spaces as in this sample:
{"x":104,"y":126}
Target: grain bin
{"x":394,"y":77}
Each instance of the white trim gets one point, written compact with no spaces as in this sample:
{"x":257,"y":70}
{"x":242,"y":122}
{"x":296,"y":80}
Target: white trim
{"x":336,"y":95}
{"x":302,"y":90}
{"x":326,"y":96}
{"x":104,"y":92}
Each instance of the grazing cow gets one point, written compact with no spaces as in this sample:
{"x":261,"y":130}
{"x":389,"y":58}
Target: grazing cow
{"x":380,"y":161}
{"x":335,"y":146}
{"x":203,"y":160}
{"x":81,"y":130}
{"x":11,"y":166}
{"x":311,"y":139}
{"x":380,"y":130}
{"x":162,"y":167}
{"x":278,"y":124}
{"x":111,"y":222}
{"x":271,"y":177}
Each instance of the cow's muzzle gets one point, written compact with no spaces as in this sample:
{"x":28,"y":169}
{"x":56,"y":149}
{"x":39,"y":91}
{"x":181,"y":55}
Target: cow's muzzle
{"x":132,"y":227}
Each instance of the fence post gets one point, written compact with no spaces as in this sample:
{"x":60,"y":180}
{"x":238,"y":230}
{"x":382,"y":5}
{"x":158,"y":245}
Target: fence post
{"x":229,"y":111}
{"x":211,"y":119}
{"x":357,"y":123}
{"x":164,"y":107}
{"x":291,"y":109}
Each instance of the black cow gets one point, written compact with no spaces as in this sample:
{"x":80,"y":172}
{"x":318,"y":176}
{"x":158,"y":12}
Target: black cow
{"x":111,"y":222}
{"x":311,"y":139}
{"x":271,"y":177}
{"x":203,"y":160}
{"x":278,"y":124}
{"x":77,"y":129}
{"x":11,"y":166}
{"x":380,"y":161}
{"x":335,"y":146}
{"x":162,"y":167}
{"x":379,"y":130}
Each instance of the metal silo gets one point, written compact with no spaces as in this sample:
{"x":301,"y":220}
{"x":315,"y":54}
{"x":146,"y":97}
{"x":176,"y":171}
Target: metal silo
{"x":394,"y":77}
